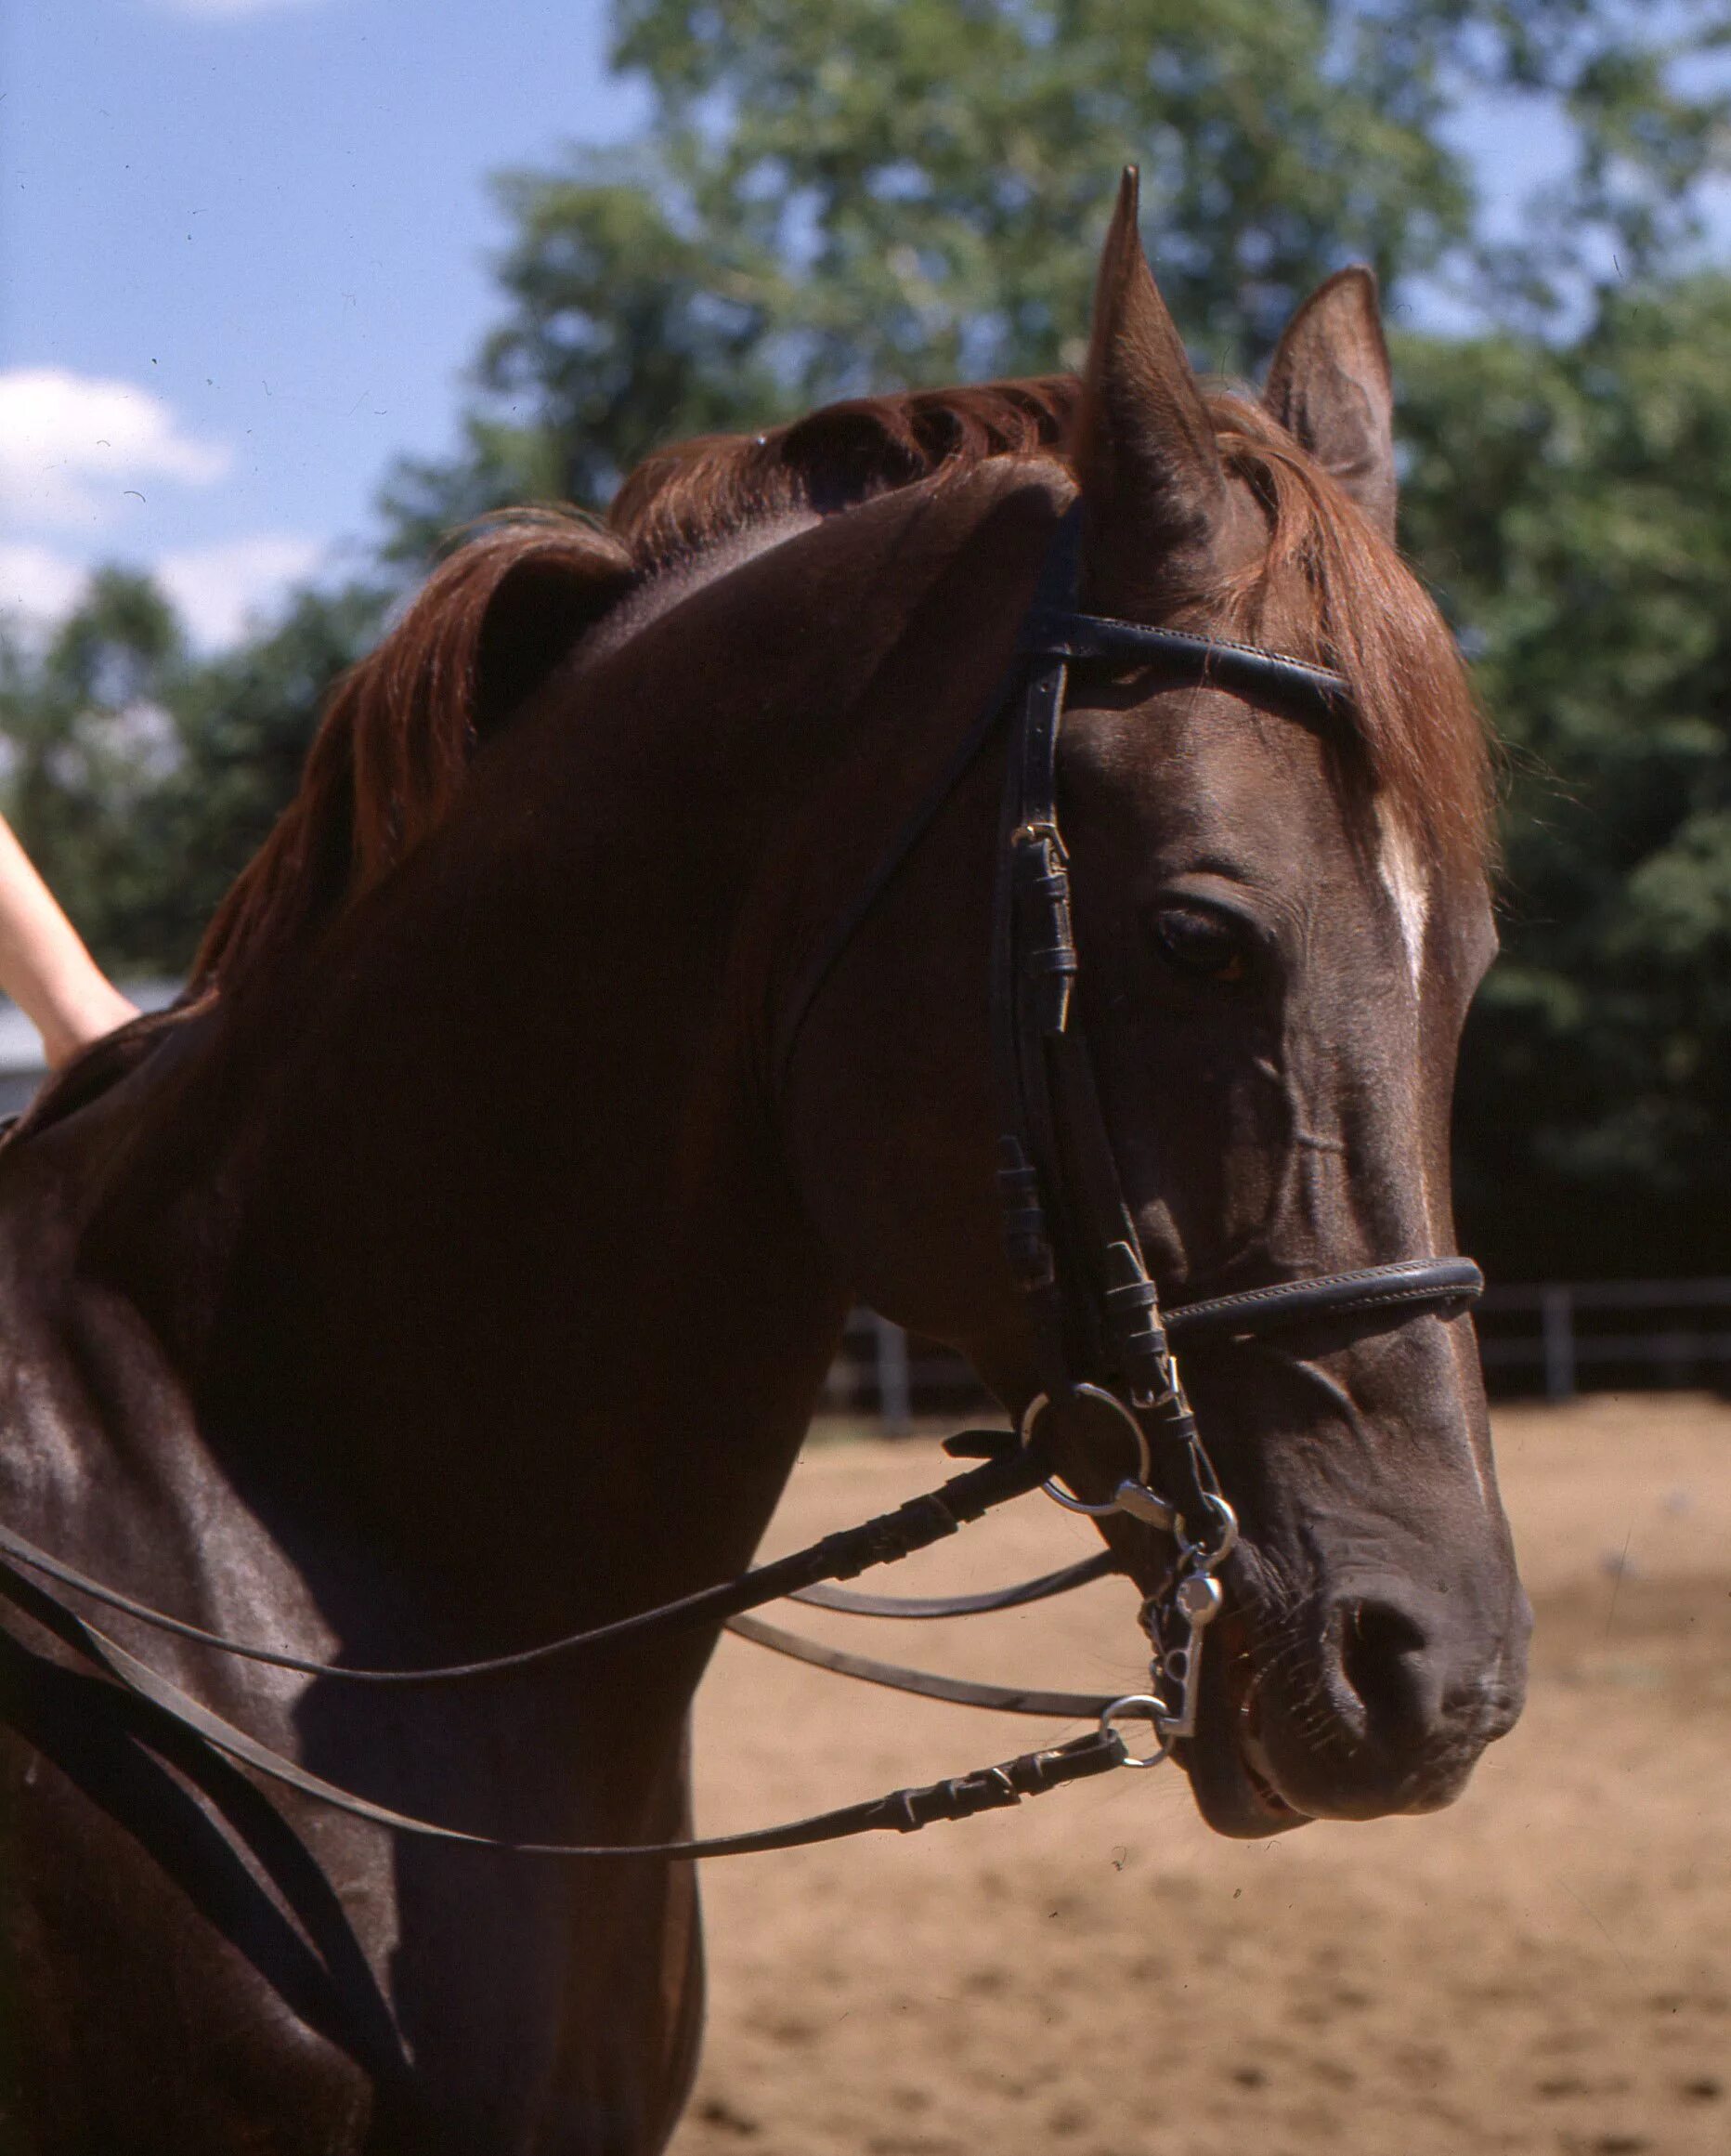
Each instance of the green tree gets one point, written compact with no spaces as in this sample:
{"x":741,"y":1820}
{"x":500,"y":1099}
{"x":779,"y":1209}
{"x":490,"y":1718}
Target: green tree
{"x":142,"y":780}
{"x":91,"y":736}
{"x":835,"y":196}
{"x":1573,"y":506}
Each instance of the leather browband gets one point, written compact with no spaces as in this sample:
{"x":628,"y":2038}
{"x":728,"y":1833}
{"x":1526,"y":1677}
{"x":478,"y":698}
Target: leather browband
{"x":1054,"y":634}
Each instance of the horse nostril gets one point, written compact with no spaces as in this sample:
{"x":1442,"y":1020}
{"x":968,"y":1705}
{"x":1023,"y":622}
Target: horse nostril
{"x":1387,"y":1661}
{"x":1404,"y":1687}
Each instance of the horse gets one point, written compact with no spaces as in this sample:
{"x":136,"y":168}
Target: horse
{"x":459,"y":1262}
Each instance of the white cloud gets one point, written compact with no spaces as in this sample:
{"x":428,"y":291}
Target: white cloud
{"x":36,"y":584}
{"x":219,"y":590}
{"x":72,"y":446}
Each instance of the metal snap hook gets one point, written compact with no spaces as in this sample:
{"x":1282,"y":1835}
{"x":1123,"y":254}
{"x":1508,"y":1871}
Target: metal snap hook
{"x":1148,"y":1505}
{"x":1203,"y":1558}
{"x":1145,"y":1707}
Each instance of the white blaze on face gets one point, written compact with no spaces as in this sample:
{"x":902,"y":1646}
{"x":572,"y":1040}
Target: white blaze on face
{"x":1403,"y":878}
{"x":1402,"y":872}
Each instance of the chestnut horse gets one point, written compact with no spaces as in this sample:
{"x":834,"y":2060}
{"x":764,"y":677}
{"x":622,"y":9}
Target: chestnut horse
{"x":457,"y":1266}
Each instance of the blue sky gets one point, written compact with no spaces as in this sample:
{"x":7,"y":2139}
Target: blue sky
{"x":244,"y":264}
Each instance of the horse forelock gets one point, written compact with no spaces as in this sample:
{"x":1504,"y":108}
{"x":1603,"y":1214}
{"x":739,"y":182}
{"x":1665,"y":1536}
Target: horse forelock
{"x":1333,"y":590}
{"x":401,"y":731}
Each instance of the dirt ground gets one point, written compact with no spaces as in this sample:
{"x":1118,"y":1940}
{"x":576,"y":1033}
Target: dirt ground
{"x":1545,"y":1968}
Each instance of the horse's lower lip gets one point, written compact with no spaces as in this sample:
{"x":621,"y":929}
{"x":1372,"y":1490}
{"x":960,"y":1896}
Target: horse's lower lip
{"x":1253,"y":1758}
{"x":1260,"y":1776}
{"x":1234,"y":1784}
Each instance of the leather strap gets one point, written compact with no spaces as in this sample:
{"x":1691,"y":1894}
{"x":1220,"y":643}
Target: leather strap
{"x":1048,"y":1583}
{"x":1091,"y":1302}
{"x":1215,"y":661}
{"x":1408,"y":1285}
{"x":902,"y":1812}
{"x":891,"y":1535}
{"x":1005,"y":1699}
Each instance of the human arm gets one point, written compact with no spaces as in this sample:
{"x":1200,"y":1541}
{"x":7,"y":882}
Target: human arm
{"x":44,"y":965}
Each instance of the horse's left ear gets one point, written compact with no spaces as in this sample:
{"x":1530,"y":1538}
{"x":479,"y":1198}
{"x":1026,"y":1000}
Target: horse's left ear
{"x":1329,"y":386}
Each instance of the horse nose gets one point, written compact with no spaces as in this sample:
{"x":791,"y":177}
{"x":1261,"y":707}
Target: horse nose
{"x":1418,"y":1684}
{"x":1389,"y":1674}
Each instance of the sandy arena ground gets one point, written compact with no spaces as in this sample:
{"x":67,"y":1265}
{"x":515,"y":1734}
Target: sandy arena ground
{"x":1545,"y":1968}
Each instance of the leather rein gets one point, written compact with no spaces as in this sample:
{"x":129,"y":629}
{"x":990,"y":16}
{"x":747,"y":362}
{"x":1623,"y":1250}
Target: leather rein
{"x":1102,"y":1344}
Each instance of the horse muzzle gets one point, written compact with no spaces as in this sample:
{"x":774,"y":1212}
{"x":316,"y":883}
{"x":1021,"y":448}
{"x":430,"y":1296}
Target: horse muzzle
{"x":1375,"y":1698}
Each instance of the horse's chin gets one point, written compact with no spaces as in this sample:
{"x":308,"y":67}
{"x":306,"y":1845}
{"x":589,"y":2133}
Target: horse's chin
{"x":1230,"y":1773}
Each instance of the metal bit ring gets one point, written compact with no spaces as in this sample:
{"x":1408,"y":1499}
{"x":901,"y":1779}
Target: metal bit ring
{"x":1053,"y":1488}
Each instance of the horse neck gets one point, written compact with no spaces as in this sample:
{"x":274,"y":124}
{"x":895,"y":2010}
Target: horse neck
{"x":507,"y":1240}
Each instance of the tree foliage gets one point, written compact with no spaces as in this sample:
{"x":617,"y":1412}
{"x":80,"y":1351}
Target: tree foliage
{"x":142,"y":780}
{"x":841,"y":195}
{"x":1573,"y":507}
{"x":91,"y":739}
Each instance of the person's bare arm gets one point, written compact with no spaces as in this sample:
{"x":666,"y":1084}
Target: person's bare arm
{"x":44,"y":965}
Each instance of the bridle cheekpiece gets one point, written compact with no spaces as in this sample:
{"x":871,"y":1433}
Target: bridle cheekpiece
{"x":1101,"y":1339}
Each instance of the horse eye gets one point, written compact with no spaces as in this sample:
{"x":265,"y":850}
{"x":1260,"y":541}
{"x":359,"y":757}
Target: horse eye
{"x":1202,"y":944}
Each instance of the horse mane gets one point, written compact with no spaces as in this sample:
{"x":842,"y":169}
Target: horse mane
{"x":392,"y":752}
{"x":685,"y":498}
{"x":402,"y":727}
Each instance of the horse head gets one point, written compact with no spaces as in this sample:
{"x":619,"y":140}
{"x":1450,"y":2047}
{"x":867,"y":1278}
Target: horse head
{"x":1281,"y":916}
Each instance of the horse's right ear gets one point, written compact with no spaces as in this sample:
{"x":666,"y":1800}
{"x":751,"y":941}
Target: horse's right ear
{"x":1329,"y":385}
{"x":1153,"y":488}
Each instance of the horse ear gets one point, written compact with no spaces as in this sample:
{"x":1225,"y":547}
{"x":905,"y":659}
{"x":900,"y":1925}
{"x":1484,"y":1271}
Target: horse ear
{"x":1331,"y":388}
{"x":1153,"y":488}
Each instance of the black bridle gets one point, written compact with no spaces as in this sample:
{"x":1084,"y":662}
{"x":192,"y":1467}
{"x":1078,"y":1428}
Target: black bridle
{"x":1070,"y":1236}
{"x":1101,"y":1341}
{"x":1071,"y":1241}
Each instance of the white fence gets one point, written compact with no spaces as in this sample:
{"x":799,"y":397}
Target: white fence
{"x":1672,"y":1332}
{"x":1555,"y":1338}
